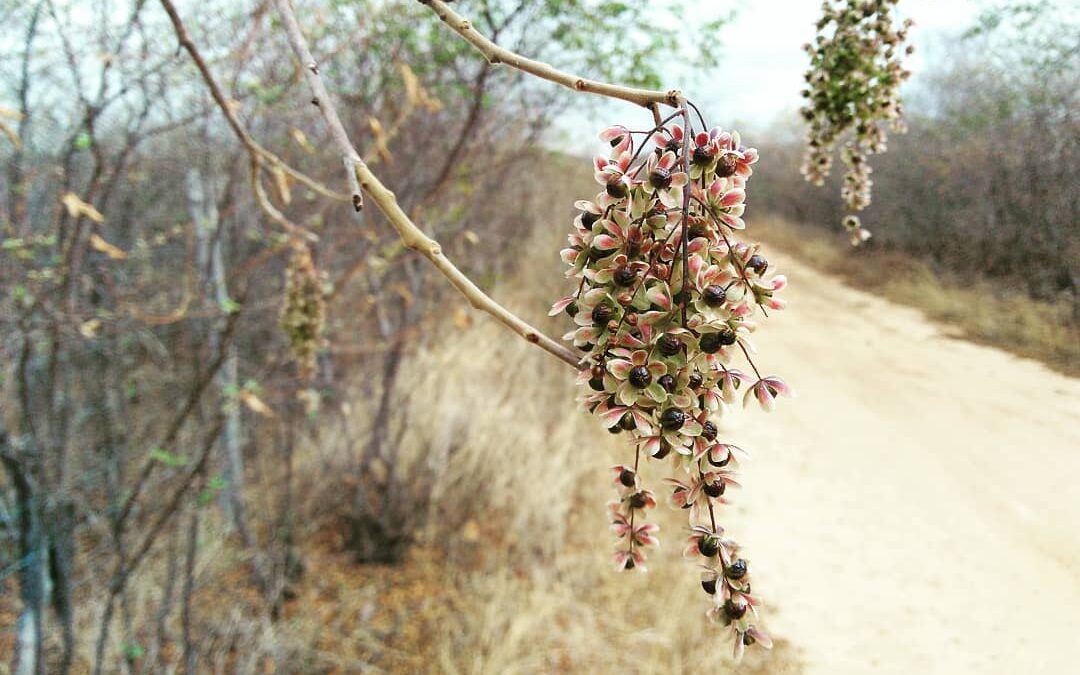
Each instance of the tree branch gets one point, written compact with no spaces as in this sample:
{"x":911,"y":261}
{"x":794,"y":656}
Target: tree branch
{"x":410,"y":234}
{"x":498,"y":55}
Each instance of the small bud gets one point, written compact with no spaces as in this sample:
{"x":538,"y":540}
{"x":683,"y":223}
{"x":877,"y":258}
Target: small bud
{"x":660,"y":179}
{"x":627,"y":422}
{"x":714,"y":489}
{"x":627,"y":477}
{"x":617,"y":189}
{"x":734,"y":610}
{"x":727,"y":166}
{"x":638,"y":500}
{"x":758,"y":263}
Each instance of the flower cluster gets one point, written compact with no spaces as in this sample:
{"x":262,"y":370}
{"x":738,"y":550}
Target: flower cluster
{"x":303,"y":316}
{"x":853,"y":84}
{"x":664,"y":306}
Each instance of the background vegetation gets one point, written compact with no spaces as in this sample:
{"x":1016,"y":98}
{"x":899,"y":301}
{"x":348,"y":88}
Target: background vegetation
{"x":177,"y":495}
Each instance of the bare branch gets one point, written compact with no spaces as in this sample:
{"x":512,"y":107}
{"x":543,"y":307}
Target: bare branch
{"x":410,"y":234}
{"x":497,"y":55}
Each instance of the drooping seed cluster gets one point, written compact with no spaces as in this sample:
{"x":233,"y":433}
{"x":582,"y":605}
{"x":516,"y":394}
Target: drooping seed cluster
{"x":663,"y":308}
{"x":853,"y":85}
{"x":303,"y":315}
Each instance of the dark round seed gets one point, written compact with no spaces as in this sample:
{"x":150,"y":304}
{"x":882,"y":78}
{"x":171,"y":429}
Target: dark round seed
{"x":664,"y":451}
{"x":601,"y":314}
{"x":727,"y":336}
{"x":629,"y":564}
{"x":696,"y":231}
{"x":637,"y":500}
{"x":736,"y":570}
{"x":758,"y":263}
{"x":748,"y":639}
{"x":588,"y":218}
{"x":627,"y":422}
{"x":668,"y":383}
{"x":640,"y":377}
{"x":714,"y":489}
{"x":617,"y":189}
{"x":696,"y":380}
{"x":701,"y":156}
{"x":669,"y":345}
{"x":596,"y":384}
{"x":734,"y":611}
{"x":614,"y":430}
{"x":709,"y":431}
{"x":624,"y":276}
{"x":708,"y":545}
{"x":714,"y":295}
{"x":709,"y":585}
{"x":660,"y":179}
{"x":571,"y":310}
{"x":710,"y":343}
{"x":626,"y":477}
{"x":587,"y":347}
{"x":672,"y":419}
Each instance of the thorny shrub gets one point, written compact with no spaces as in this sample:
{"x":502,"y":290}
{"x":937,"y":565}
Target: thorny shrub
{"x":665,"y":301}
{"x":853,"y":85}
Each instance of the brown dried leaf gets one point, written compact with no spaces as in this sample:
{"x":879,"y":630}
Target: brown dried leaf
{"x":281,"y":183}
{"x":380,"y":138}
{"x":461,"y":318}
{"x":301,"y":139}
{"x":102,"y":246}
{"x":77,"y":208}
{"x":12,"y":136}
{"x":255,"y":404}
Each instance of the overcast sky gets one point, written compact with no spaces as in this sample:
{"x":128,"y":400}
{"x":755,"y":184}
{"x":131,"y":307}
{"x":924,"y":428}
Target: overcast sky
{"x":765,"y":40}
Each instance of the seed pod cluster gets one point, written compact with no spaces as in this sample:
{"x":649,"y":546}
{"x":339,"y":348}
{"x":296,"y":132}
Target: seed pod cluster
{"x":303,"y":315}
{"x":852,"y":94}
{"x":664,"y":307}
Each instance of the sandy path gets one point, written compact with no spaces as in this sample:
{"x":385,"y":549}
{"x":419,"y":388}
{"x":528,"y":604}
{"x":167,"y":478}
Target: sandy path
{"x":916,"y":509}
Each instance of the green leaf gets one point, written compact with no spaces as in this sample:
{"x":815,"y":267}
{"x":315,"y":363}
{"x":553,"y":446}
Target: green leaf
{"x":167,"y":458}
{"x":83,"y":141}
{"x":229,"y":306}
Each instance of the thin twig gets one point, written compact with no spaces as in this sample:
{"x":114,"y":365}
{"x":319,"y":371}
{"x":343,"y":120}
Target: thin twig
{"x":497,"y":55}
{"x":411,"y":235}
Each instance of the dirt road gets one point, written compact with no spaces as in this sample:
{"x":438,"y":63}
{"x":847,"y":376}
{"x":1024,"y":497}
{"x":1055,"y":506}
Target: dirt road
{"x":916,"y":509}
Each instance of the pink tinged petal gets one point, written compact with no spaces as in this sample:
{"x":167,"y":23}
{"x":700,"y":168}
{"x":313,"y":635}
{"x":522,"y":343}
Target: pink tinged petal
{"x":779,"y":282}
{"x":560,"y":305}
{"x":671,"y":198}
{"x":659,"y":295}
{"x":691,"y":428}
{"x":764,"y":397}
{"x":657,"y":369}
{"x":656,"y":392}
{"x":740,"y":647}
{"x":733,"y":197}
{"x":651,"y":446}
{"x":716,"y":187}
{"x":605,"y":242}
{"x":666,"y":161}
{"x":611,"y":417}
{"x":619,"y":368}
{"x":628,"y":394}
{"x":679,"y":179}
{"x":676,"y":132}
{"x":779,"y":386}
{"x":760,"y":637}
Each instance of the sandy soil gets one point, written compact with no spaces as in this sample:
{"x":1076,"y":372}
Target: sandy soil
{"x":916,"y":509}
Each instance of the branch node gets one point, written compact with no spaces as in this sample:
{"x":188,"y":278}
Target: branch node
{"x":315,"y":101}
{"x":579,"y":84}
{"x":358,"y":202}
{"x":313,"y":67}
{"x":532,"y":337}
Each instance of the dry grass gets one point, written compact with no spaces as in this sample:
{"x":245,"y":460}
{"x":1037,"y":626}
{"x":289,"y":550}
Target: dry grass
{"x":514,"y":573}
{"x":1004,"y":318}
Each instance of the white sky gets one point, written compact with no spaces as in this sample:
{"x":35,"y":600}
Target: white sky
{"x":766,"y":40}
{"x":763,"y":46}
